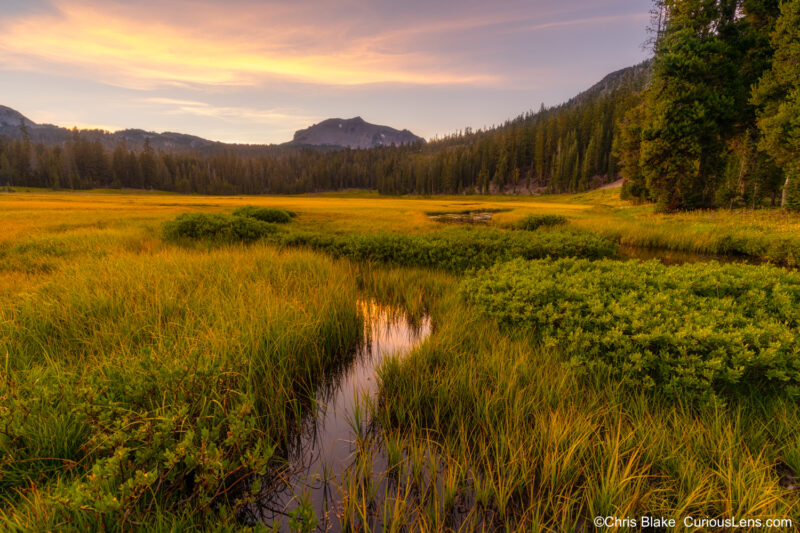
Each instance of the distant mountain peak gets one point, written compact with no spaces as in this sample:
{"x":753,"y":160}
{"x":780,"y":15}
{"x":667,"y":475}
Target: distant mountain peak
{"x":351,"y":133}
{"x":12,"y":117}
{"x":331,"y":133}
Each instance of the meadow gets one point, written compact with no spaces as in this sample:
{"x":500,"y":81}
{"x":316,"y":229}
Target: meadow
{"x":159,"y":350}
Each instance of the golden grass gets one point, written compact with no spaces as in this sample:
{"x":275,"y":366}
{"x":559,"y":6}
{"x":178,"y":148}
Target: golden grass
{"x":27,"y":212}
{"x":515,"y":430}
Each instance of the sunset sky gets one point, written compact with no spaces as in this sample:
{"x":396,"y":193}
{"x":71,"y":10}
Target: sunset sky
{"x":256,"y":71}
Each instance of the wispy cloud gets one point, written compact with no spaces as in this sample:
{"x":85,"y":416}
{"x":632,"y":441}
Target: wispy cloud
{"x":124,"y":46}
{"x":285,"y":117}
{"x":632,"y":17}
{"x":174,"y":101}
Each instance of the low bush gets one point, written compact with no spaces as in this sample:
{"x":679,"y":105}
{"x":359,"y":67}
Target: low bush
{"x":457,"y":249}
{"x":217,"y":227}
{"x":266,"y":214}
{"x":534,"y":222}
{"x":695,"y":331}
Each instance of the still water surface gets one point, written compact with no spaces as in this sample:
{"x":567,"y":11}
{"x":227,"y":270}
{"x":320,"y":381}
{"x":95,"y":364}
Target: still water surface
{"x":325,"y":447}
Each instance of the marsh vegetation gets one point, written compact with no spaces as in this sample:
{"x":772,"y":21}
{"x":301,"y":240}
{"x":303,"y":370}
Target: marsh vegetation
{"x":161,"y":354}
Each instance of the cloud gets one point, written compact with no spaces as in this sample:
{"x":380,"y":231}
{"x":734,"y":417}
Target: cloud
{"x":633,"y":17}
{"x":130,"y":46}
{"x":174,"y":101}
{"x":281,"y":122}
{"x":236,"y":114}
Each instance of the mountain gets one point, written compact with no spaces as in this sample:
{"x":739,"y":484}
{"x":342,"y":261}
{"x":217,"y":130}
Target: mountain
{"x":11,"y":121}
{"x":352,"y":133}
{"x":333,"y":133}
{"x":564,"y":148}
{"x":11,"y":118}
{"x":168,"y":140}
{"x":638,"y":75}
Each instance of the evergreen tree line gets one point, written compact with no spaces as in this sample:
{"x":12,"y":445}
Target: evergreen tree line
{"x":719,"y":123}
{"x":564,"y":148}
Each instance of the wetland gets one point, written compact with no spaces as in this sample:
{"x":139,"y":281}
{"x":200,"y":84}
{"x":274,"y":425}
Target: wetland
{"x":360,"y":367}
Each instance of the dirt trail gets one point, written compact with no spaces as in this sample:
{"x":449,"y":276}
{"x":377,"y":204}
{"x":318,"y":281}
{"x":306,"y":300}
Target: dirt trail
{"x":613,"y":185}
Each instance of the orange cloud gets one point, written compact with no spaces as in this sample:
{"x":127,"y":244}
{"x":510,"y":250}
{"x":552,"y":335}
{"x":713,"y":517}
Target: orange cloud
{"x":125,"y":47}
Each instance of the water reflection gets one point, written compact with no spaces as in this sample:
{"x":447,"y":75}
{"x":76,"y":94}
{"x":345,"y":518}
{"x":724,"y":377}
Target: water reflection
{"x":676,"y":257}
{"x":473,"y":217}
{"x":326,"y":444}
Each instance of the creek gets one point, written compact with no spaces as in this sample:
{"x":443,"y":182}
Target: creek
{"x":326,"y":445}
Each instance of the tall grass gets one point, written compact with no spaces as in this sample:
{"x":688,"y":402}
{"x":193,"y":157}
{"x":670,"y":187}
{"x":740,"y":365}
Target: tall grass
{"x":265,"y":214}
{"x":544,"y":450}
{"x":533,"y":222}
{"x":771,"y":234}
{"x":455,"y":250}
{"x":137,"y":383}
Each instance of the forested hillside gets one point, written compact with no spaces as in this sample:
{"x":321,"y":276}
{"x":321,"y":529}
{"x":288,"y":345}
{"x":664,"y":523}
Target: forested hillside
{"x":563,"y":148}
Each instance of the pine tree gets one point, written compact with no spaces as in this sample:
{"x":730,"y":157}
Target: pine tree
{"x":689,"y":107}
{"x":627,"y":150}
{"x":778,"y":98}
{"x":6,"y":172}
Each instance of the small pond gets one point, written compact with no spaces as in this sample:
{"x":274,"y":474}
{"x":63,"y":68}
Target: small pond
{"x":474,"y":217}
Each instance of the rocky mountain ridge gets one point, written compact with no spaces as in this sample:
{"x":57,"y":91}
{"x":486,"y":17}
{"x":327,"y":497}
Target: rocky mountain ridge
{"x":334,"y":133}
{"x":352,"y":133}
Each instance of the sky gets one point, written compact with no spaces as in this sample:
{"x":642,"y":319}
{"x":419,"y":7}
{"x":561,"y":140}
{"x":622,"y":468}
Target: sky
{"x":255,"y":71}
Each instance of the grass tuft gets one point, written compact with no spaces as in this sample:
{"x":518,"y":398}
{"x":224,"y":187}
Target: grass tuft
{"x":534,"y":222}
{"x":266,"y":214}
{"x":217,"y":228}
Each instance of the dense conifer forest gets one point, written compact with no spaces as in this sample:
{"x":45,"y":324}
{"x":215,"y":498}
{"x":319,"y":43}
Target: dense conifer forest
{"x":719,"y":124}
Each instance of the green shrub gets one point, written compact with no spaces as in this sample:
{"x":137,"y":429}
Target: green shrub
{"x":218,"y":228}
{"x":694,"y":331}
{"x":266,"y":214}
{"x":534,"y":222}
{"x":457,"y":249}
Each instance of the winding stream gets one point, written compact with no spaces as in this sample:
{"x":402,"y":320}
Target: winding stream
{"x":677,"y":257}
{"x":326,"y":447}
{"x":326,"y":444}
